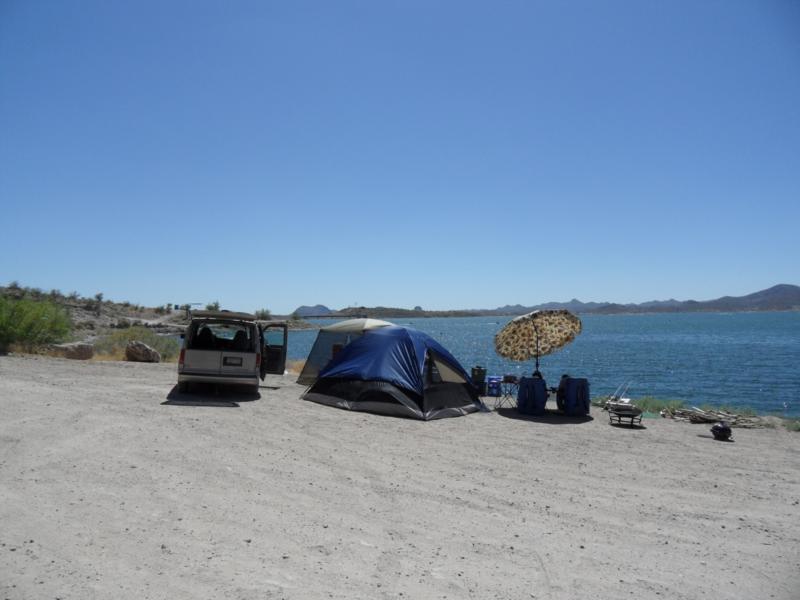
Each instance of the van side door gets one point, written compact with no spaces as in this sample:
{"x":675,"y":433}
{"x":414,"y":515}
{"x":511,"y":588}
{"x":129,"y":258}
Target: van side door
{"x":275,"y":338}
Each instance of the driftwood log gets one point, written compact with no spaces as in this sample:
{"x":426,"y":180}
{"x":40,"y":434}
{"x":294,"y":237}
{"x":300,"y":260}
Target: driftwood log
{"x":697,"y":415}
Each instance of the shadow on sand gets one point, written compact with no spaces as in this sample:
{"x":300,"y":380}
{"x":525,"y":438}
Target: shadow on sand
{"x":550,"y":417}
{"x":634,"y":427}
{"x":219,"y":396}
{"x":730,"y":440}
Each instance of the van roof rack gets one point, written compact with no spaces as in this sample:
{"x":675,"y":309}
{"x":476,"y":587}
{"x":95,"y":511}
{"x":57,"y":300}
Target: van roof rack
{"x":222,"y":314}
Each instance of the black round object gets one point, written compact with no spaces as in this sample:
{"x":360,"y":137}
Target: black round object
{"x":721,"y":431}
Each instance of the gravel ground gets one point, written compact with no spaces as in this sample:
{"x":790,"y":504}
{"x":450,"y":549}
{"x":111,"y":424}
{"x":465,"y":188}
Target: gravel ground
{"x":112,"y":485}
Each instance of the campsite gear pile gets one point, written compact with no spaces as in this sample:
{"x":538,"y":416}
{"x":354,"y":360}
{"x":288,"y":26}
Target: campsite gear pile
{"x":538,"y":334}
{"x":396,"y":371}
{"x":620,"y":411}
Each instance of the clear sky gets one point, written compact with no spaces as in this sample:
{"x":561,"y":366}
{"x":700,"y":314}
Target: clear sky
{"x":444,"y":154}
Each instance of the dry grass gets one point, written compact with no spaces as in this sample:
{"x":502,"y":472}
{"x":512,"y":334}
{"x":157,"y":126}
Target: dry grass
{"x":116,"y":355}
{"x":119,"y":355}
{"x":113,"y":343}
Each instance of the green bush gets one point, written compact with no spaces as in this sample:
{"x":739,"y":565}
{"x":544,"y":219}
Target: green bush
{"x":31,"y":324}
{"x":654,"y":405}
{"x":213,"y":305}
{"x":792,"y":424}
{"x":264,"y":314}
{"x":113,"y":344}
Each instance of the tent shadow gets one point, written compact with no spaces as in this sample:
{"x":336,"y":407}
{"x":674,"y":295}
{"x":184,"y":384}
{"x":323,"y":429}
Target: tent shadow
{"x":550,"y":417}
{"x":218,"y":396}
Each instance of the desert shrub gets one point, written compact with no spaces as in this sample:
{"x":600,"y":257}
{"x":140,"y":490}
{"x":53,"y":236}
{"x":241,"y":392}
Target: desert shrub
{"x":263,"y":313}
{"x":113,"y":344}
{"x":213,"y":305}
{"x":31,"y":324}
{"x":792,"y":424}
{"x":654,"y":405}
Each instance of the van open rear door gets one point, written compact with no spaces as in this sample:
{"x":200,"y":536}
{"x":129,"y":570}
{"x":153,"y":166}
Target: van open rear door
{"x":275,"y":337}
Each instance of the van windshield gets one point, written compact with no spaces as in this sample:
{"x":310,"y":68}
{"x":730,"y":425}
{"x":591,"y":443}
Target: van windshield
{"x":221,"y":335}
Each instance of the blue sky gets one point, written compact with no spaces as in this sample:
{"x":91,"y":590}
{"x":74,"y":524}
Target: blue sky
{"x":442,"y":154}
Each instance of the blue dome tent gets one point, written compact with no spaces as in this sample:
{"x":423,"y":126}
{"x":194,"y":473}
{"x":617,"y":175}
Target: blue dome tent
{"x":396,"y":371}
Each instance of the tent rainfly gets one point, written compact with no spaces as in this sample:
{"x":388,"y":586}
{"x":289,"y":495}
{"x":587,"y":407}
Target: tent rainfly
{"x":330,"y":340}
{"x":396,"y":371}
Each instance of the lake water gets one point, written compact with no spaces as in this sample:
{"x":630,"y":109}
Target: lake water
{"x":734,"y":359}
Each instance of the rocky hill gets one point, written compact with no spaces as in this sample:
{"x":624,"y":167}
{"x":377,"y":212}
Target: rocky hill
{"x":318,"y":310}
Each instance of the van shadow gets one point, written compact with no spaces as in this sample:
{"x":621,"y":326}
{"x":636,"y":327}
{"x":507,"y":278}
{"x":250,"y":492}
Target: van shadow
{"x":549,"y":417}
{"x":211,"y":395}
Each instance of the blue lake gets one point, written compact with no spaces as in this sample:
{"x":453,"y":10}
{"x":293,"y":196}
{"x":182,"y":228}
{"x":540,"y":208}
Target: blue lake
{"x":734,"y":359}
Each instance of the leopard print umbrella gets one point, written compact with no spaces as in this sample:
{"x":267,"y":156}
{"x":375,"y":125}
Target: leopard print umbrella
{"x":537,"y":334}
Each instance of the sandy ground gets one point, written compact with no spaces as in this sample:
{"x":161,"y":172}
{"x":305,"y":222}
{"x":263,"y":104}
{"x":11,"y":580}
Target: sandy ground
{"x":108,"y":492}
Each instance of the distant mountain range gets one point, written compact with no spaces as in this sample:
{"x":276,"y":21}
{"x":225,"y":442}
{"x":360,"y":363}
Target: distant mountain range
{"x":778,"y":297}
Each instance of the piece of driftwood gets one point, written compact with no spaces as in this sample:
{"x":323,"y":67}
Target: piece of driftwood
{"x":697,"y":415}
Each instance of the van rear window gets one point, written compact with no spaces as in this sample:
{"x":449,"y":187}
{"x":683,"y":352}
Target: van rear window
{"x":235,"y":337}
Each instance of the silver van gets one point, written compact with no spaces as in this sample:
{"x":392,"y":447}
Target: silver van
{"x":230,"y":348}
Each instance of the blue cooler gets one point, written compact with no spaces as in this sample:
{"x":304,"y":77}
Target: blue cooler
{"x":532,"y":396}
{"x":493,"y":387}
{"x":574,"y":396}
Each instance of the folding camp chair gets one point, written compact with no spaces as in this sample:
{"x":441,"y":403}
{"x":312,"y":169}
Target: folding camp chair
{"x":509,"y":387}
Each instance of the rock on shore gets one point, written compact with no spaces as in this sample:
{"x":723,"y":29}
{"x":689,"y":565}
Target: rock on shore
{"x":140,"y":352}
{"x":75,"y":350}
